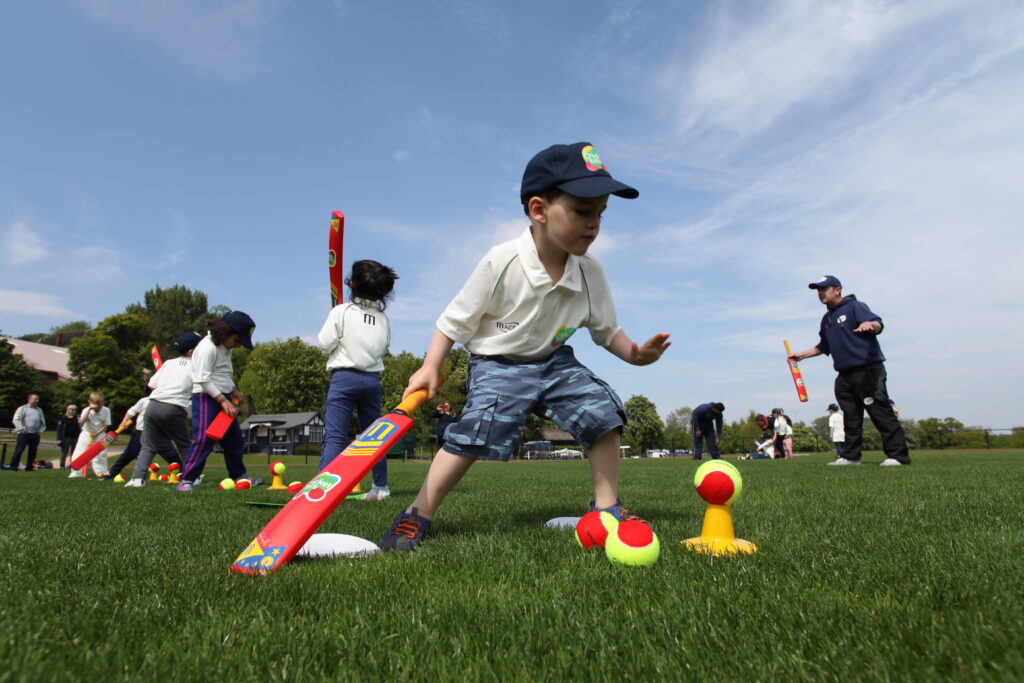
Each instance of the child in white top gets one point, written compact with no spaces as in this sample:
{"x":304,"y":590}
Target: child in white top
{"x":95,"y":421}
{"x":514,"y":315}
{"x":357,"y":335}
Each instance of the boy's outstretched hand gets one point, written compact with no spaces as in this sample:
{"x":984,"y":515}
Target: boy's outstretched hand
{"x":626,"y":349}
{"x":650,"y":351}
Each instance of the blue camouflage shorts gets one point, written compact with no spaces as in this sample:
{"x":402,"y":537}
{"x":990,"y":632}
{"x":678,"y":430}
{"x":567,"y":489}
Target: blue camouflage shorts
{"x":503,"y":393}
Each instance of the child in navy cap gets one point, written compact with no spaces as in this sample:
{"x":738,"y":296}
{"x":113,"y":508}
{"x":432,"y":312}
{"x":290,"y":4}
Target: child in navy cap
{"x":516,"y":312}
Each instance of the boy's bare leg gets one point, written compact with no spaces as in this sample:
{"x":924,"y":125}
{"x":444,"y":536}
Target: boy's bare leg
{"x":604,"y":469}
{"x":445,"y":472}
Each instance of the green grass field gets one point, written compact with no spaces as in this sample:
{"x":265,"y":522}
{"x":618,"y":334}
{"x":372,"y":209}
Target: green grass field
{"x":865,"y":573}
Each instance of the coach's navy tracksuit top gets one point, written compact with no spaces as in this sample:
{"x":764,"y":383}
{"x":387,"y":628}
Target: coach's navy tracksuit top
{"x":850,"y":350}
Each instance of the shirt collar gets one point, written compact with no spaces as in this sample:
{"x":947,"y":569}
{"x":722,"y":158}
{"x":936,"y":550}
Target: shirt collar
{"x":535,"y":271}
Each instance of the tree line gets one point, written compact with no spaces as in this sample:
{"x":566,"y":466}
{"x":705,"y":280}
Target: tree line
{"x":290,"y":376}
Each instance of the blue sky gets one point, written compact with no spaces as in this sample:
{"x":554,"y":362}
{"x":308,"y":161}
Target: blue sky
{"x":205,"y":143}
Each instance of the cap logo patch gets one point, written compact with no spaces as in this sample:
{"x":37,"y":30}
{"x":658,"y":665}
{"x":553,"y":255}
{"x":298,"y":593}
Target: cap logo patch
{"x":592,"y":160}
{"x":251,"y":330}
{"x":823,"y":278}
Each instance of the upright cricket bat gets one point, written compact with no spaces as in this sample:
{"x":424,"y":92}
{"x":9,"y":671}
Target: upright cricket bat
{"x":97,"y":446}
{"x":794,"y":369}
{"x":335,"y":243}
{"x":289,"y":530}
{"x":157,"y":360}
{"x":220,"y":424}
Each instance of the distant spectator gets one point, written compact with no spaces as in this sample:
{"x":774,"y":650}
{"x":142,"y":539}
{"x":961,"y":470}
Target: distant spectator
{"x":29,"y":421}
{"x":707,"y":428}
{"x":836,"y":434}
{"x":68,"y":430}
{"x":444,"y":417}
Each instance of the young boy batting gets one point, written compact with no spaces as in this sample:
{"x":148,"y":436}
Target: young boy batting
{"x":514,"y":315}
{"x":95,"y":421}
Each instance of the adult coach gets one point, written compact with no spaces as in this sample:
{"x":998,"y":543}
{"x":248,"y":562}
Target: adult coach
{"x":849,"y":333}
{"x":29,"y":421}
{"x":707,"y":428}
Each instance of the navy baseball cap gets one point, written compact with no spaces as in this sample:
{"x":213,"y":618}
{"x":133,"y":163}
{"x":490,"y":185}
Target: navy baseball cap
{"x":825,"y":281}
{"x":243,"y":326}
{"x":575,"y":169}
{"x":186,"y":342}
{"x":833,"y":406}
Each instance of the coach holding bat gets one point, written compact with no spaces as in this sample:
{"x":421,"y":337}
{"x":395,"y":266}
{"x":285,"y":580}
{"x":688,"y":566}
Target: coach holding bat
{"x":849,"y":333}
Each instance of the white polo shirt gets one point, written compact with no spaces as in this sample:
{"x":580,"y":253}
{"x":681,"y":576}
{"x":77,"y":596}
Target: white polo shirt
{"x":138,"y":413}
{"x":93,"y":421}
{"x":836,"y":427}
{"x":212,"y":363}
{"x":172,"y":383}
{"x":356,"y":335}
{"x":508,"y":307}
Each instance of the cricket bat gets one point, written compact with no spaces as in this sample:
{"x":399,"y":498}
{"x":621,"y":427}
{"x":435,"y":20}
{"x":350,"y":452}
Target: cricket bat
{"x":335,"y":243}
{"x":157,"y":360}
{"x":97,"y":446}
{"x":220,"y":424}
{"x":289,"y":530}
{"x":794,"y":369}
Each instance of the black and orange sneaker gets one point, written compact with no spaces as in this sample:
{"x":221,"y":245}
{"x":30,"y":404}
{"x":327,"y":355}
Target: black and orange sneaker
{"x":406,"y":532}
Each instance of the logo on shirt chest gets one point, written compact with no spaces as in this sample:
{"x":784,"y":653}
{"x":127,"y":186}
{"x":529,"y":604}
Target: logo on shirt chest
{"x":562,"y":335}
{"x":506,"y":327}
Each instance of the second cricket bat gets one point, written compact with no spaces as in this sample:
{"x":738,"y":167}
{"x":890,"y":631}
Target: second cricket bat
{"x":289,"y":530}
{"x":220,"y":424}
{"x":97,"y":446}
{"x":794,"y":369}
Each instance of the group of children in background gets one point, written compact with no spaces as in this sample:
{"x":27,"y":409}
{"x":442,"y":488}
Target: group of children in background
{"x":514,"y":315}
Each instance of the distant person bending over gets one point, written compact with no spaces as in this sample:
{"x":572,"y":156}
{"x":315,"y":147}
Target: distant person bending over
{"x":514,"y":315}
{"x":849,"y":333}
{"x":706,"y":423}
{"x":783,"y":435}
{"x":357,"y":335}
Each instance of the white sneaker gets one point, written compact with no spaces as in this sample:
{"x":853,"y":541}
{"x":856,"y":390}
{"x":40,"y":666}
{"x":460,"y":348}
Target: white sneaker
{"x":377,"y":493}
{"x":843,"y":461}
{"x":74,"y":474}
{"x":891,"y":462}
{"x":135,"y":483}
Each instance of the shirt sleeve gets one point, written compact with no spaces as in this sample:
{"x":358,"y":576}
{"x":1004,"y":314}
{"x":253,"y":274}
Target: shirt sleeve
{"x":202,"y":363}
{"x":863,"y":314}
{"x":822,"y":340}
{"x":18,"y":421}
{"x":604,"y":323}
{"x":330,"y":333}
{"x":460,"y":319}
{"x":718,"y":425}
{"x":153,"y":381}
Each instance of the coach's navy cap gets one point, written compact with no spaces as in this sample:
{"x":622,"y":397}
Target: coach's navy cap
{"x":187,"y":342}
{"x":826,"y":281}
{"x":243,"y":326}
{"x":575,"y":169}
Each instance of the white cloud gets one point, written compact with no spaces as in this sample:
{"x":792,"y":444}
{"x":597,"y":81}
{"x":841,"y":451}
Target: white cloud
{"x":21,"y":245}
{"x":31,"y":303}
{"x":222,"y":38}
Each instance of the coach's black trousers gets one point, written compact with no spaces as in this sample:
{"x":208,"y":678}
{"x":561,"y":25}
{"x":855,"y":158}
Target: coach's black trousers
{"x":863,"y":389}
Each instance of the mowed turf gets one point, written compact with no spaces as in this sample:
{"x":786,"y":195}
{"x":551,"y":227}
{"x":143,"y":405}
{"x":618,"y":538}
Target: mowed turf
{"x":864,"y":573}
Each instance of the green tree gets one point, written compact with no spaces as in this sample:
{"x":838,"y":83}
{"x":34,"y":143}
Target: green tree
{"x":397,"y":370}
{"x":98,"y":363}
{"x":285,"y":377}
{"x":644,"y":429}
{"x":74,"y":326}
{"x":677,"y":428}
{"x":18,"y":379}
{"x":170,"y":312}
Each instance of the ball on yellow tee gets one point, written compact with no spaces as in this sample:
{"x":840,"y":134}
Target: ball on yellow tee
{"x":718,"y":482}
{"x":633,"y":544}
{"x":278,"y":468}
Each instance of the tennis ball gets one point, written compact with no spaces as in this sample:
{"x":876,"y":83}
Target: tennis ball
{"x":174,"y":467}
{"x":593,"y":528}
{"x":243,"y":484}
{"x":154,"y":468}
{"x":227,"y":484}
{"x":633,"y":544}
{"x":718,"y":482}
{"x":278,"y":468}
{"x":163,"y":477}
{"x":295,"y":487}
{"x":120,"y":479}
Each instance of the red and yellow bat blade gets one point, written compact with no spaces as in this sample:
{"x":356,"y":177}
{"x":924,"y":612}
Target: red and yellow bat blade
{"x":155,"y":354}
{"x":92,"y":451}
{"x":798,"y":378}
{"x":289,"y":530}
{"x":335,"y":244}
{"x":219,"y":427}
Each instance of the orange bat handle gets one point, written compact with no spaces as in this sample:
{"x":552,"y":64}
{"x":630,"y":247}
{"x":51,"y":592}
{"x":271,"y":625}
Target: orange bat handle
{"x":789,"y":351}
